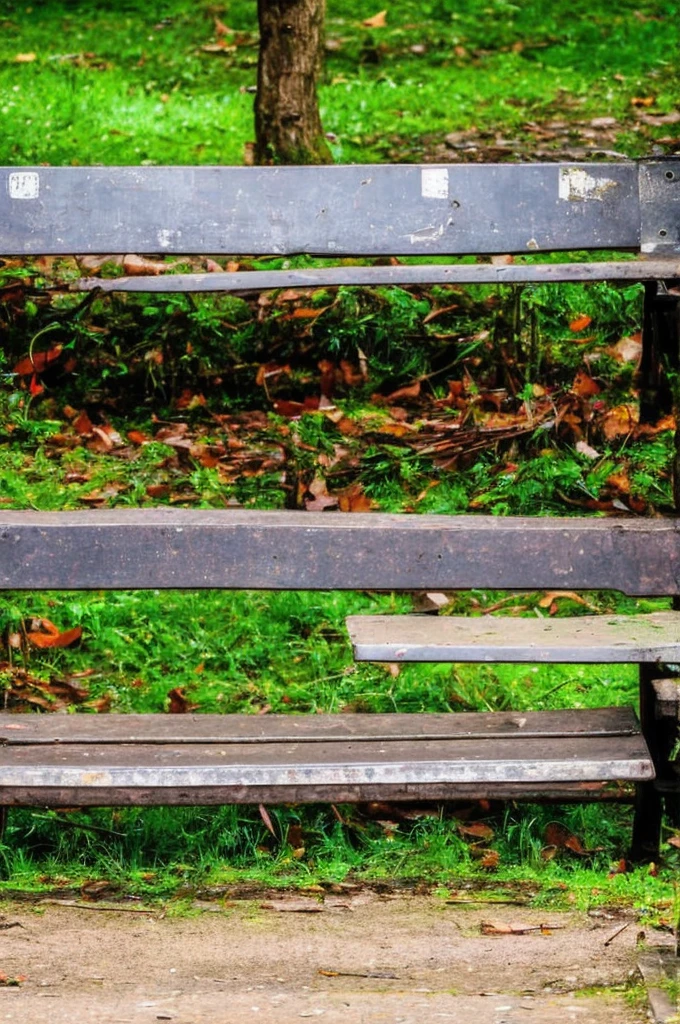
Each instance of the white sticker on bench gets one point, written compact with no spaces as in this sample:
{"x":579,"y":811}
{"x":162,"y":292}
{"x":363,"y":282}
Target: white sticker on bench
{"x":576,"y":185}
{"x":24,"y":185}
{"x":434,"y":183}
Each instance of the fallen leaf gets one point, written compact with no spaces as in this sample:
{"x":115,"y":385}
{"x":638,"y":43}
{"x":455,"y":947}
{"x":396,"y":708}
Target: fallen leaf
{"x":477,"y":830}
{"x":179,"y":703}
{"x":569,"y":595}
{"x":378,"y":20}
{"x":136,"y":266}
{"x":580,"y":323}
{"x":643,"y":101}
{"x":491,"y":860}
{"x":619,"y":421}
{"x":503,"y":928}
{"x":353,"y":499}
{"x":319,"y":499}
{"x":264,"y":814}
{"x":294,"y":906}
{"x":48,"y":635}
{"x":37,"y":362}
{"x":410,"y":391}
{"x":584,"y":386}
{"x":675,"y":841}
{"x":25,"y":58}
{"x":627,"y":350}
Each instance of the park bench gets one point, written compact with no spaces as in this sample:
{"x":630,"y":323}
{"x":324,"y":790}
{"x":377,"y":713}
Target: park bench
{"x":607,"y":753}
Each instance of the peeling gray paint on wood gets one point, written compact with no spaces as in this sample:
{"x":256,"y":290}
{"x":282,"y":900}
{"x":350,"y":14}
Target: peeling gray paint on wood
{"x":326,"y":211}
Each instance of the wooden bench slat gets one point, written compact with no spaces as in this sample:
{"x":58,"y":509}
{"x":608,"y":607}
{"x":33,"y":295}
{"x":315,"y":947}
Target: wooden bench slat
{"x":37,"y":729}
{"x":165,"y":548}
{"x":94,"y":796}
{"x":584,"y":639}
{"x":403,"y":274}
{"x":341,"y":210}
{"x":307,"y":766}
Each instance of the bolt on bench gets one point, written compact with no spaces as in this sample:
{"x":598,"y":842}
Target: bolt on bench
{"x":358,"y":211}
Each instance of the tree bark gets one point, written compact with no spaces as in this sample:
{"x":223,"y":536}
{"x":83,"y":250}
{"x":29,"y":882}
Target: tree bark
{"x":287,"y":123}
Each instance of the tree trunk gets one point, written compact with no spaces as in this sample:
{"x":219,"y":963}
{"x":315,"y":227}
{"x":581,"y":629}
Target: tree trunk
{"x":287,"y":123}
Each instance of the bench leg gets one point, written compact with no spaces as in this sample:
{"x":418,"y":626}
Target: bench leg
{"x":660,"y":732}
{"x":660,"y":349}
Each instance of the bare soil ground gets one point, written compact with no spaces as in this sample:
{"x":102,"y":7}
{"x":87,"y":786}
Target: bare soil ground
{"x":364,"y":959}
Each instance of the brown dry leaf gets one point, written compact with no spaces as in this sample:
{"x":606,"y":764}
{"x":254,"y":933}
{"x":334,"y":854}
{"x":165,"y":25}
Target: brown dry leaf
{"x":584,"y":386}
{"x":25,"y":58}
{"x":320,"y":498}
{"x":619,"y":421}
{"x":293,"y":906}
{"x":491,"y":860}
{"x":37,"y":362}
{"x":569,"y":595}
{"x":580,"y":323}
{"x":353,"y":499}
{"x":82,"y":424}
{"x":477,"y":830}
{"x":293,"y":410}
{"x":434,"y":313}
{"x":410,"y":391}
{"x":45,"y":634}
{"x":264,"y":814}
{"x":559,"y":836}
{"x":503,"y":928}
{"x":643,"y":101}
{"x":378,"y":20}
{"x":619,"y":482}
{"x":675,"y":840}
{"x":158,"y":490}
{"x":627,"y":350}
{"x":136,"y":266}
{"x":179,"y":703}
{"x":212,"y":266}
{"x":137,"y":437}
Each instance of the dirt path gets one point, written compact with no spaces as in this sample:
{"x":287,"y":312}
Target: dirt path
{"x":388,"y":961}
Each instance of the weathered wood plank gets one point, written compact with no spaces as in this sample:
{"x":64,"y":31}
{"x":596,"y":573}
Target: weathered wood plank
{"x":36,"y":729}
{"x":422,"y":762}
{"x":580,"y":640}
{"x":93,"y":796}
{"x":169,"y":548}
{"x":355,"y":210}
{"x":404,"y":274}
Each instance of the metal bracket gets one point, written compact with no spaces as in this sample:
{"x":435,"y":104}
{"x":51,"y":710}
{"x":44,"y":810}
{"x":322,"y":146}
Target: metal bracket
{"x":659,"y":186}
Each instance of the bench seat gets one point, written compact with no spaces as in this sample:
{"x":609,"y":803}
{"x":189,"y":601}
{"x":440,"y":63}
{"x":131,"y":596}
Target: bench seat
{"x":86,"y":760}
{"x":586,"y":639}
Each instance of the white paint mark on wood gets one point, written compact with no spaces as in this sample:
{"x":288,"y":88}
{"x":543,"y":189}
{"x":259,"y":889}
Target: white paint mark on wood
{"x":434,"y":183}
{"x":24,"y":185}
{"x":577,"y":185}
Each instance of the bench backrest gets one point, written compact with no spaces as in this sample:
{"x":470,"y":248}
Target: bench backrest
{"x":118,"y":549}
{"x":417,"y":210}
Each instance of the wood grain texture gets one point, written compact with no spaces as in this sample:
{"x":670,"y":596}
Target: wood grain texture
{"x":578,"y":640}
{"x":236,"y":549}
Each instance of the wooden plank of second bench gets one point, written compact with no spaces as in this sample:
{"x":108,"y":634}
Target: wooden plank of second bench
{"x":583,"y":639}
{"x":571,"y":759}
{"x":94,"y":796}
{"x":23,"y":730}
{"x":118,"y":549}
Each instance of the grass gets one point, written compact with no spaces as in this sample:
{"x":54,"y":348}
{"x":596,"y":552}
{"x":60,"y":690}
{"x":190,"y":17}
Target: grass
{"x":131,"y":84}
